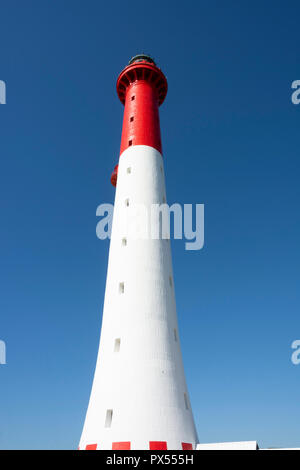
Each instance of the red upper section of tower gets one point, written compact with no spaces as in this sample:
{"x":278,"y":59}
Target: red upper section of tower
{"x":142,"y":87}
{"x":142,"y":67}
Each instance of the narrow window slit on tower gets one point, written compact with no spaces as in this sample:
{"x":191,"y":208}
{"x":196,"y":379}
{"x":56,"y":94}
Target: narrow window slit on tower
{"x":117,"y":345}
{"x":164,"y":199}
{"x":121,"y":288}
{"x":124,"y":241}
{"x":170,"y":281}
{"x":175,"y":334}
{"x":132,"y":119}
{"x":126,"y":202}
{"x":129,"y":170}
{"x":132,"y":98}
{"x":108,"y":418}
{"x":186,"y":401}
{"x":130,"y":143}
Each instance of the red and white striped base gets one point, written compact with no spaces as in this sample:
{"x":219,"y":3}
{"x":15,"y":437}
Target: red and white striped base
{"x":126,"y":445}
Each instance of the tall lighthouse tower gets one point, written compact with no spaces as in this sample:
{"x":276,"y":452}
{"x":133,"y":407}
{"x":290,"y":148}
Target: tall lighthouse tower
{"x":139,"y":398}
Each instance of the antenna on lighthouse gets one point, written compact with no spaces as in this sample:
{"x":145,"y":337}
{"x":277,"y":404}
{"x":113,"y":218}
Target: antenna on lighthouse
{"x":139,"y":397}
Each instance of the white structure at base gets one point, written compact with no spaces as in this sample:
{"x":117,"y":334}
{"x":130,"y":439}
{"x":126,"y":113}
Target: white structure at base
{"x":242,"y":445}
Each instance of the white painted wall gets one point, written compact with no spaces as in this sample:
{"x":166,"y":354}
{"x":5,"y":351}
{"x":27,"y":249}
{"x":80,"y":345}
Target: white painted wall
{"x":144,"y":382}
{"x":242,"y":445}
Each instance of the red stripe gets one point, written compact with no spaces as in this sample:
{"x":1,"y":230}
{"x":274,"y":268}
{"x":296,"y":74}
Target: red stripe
{"x":121,"y":445}
{"x":187,"y":446}
{"x":157,"y":445}
{"x":91,"y":447}
{"x":142,"y":105}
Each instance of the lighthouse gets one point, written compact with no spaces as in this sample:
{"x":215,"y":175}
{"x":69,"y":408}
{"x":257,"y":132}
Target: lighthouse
{"x":139,"y":398}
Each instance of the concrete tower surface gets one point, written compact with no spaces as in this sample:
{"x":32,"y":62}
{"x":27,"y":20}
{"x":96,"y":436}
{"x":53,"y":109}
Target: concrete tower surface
{"x":139,"y":397}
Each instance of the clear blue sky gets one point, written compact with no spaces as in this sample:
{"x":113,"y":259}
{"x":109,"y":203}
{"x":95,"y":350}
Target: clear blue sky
{"x":231,"y":141}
